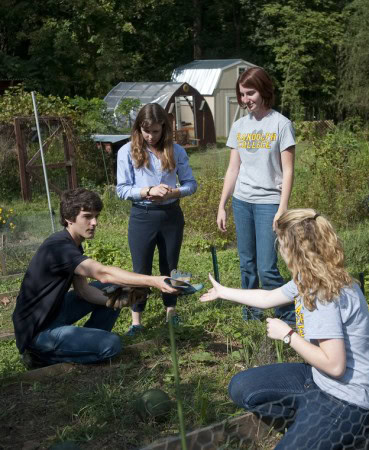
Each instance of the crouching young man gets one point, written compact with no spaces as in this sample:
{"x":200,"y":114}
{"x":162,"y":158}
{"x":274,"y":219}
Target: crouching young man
{"x":46,"y":309}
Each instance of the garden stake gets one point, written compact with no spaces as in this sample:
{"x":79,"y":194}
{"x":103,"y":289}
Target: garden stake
{"x":43,"y":160}
{"x":215,"y":263}
{"x":177,"y":385}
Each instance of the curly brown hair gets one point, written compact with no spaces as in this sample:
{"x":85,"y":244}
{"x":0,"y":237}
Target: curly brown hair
{"x":149,"y":115}
{"x":314,"y":255}
{"x":75,"y":200}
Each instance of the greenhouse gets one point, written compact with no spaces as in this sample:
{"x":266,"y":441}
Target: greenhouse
{"x":192,"y":120}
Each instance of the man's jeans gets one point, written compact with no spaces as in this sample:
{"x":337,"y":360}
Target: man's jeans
{"x":64,"y":342}
{"x":315,"y":419}
{"x":256,"y":249}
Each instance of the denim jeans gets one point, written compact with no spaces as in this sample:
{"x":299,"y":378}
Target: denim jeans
{"x":256,"y":249}
{"x":61,"y":341}
{"x":315,"y":419}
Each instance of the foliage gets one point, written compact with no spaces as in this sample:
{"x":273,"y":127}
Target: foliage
{"x":7,"y":219}
{"x":84,"y":48}
{"x":87,"y":115}
{"x":92,"y":116}
{"x":16,"y":101}
{"x":9,"y":184}
{"x":204,"y":205}
{"x":353,"y":92}
{"x":332,"y":177}
{"x":125,"y":110}
{"x":309,"y":130}
{"x":109,"y":252}
{"x":356,"y":244}
{"x":303,"y":37}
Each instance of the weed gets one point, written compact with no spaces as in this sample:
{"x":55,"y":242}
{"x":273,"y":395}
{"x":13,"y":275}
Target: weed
{"x":279,"y":348}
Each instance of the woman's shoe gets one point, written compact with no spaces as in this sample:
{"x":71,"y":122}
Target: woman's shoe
{"x":134,"y":330}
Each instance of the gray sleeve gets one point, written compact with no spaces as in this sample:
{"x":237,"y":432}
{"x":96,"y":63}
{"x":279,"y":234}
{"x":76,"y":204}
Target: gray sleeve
{"x":290,"y":290}
{"x":232,"y":138}
{"x":287,"y":137}
{"x":324,"y":322}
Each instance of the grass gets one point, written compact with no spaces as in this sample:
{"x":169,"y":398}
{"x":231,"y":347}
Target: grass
{"x":93,"y":405}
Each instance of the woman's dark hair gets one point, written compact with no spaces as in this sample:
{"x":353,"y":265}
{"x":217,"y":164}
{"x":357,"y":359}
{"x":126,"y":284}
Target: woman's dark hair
{"x":152,"y":114}
{"x":256,"y":78}
{"x":76,"y":200}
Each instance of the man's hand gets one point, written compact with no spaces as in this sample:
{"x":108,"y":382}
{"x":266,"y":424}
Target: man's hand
{"x":122,"y":296}
{"x":159,"y":283}
{"x":277,"y":329}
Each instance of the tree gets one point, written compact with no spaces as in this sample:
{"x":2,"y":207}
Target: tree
{"x":303,"y":37}
{"x":353,"y":92}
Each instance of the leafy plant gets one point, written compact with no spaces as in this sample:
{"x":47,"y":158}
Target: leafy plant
{"x":7,"y":219}
{"x":279,"y":348}
{"x":332,"y":177}
{"x":124,"y":111}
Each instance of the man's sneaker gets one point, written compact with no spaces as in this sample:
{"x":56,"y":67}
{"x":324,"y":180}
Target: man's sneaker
{"x":251,"y":314}
{"x":134,"y":330}
{"x":32,"y":361}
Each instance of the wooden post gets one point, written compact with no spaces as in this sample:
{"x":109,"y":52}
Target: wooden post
{"x":22,"y":161}
{"x":2,"y":254}
{"x":69,"y":161}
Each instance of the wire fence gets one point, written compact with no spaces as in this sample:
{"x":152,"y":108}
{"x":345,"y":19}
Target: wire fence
{"x":18,"y":247}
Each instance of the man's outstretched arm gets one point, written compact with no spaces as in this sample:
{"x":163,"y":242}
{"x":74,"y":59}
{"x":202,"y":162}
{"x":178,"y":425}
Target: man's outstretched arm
{"x":110,"y":274}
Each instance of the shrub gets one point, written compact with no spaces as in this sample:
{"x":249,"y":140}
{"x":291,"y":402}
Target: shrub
{"x":6,"y":219}
{"x":332,"y":178}
{"x":200,"y":211}
{"x":9,"y":177}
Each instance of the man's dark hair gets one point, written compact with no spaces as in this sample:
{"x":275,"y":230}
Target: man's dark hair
{"x":76,"y":200}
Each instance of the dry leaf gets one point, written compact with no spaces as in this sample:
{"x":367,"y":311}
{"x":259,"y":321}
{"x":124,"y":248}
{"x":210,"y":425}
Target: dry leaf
{"x":5,"y":301}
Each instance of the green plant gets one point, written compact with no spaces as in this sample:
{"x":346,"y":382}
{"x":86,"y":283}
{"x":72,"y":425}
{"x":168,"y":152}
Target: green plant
{"x":124,"y":110}
{"x":7,"y":219}
{"x":200,"y":215}
{"x":201,"y":402}
{"x":279,"y":348}
{"x":332,"y":178}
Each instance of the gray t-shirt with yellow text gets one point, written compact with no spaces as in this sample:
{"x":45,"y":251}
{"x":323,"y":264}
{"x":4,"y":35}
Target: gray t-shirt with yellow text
{"x":345,"y":318}
{"x":260,"y":144}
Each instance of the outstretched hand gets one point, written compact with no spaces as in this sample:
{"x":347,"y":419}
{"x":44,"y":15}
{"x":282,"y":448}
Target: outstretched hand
{"x":213,"y":293}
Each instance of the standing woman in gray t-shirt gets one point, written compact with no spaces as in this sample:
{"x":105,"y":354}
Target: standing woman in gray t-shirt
{"x":260,"y":178}
{"x":324,"y":402}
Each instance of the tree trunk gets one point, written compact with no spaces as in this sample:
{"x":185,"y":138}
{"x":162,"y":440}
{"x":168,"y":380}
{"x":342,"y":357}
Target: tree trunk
{"x":2,"y":254}
{"x":197,"y":27}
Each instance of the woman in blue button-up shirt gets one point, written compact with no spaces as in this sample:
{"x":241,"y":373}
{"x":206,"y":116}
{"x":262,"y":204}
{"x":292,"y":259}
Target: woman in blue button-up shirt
{"x":147,"y":172}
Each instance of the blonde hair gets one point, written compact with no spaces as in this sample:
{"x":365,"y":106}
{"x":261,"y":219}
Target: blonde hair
{"x":152,"y":114}
{"x":314,"y":255}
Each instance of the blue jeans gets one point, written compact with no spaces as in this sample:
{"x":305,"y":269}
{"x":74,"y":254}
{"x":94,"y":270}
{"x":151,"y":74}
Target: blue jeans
{"x":61,"y":341}
{"x":315,"y":419}
{"x":256,"y":249}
